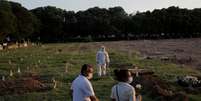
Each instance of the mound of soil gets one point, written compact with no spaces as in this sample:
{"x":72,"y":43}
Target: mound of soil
{"x":159,"y":89}
{"x":21,"y":85}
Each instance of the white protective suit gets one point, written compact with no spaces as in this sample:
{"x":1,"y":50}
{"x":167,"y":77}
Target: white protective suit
{"x":102,"y":59}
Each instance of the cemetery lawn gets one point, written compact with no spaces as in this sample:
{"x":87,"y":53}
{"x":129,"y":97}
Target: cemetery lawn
{"x":51,"y":59}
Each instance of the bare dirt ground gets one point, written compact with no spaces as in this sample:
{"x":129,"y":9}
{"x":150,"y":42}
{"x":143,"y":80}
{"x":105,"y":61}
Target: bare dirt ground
{"x":25,"y":83}
{"x":181,"y":51}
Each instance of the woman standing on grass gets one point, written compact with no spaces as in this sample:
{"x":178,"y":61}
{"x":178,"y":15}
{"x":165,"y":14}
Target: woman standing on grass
{"x":123,"y":91}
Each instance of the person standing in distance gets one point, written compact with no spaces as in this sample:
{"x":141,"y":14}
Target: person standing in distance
{"x":102,"y":60}
{"x":81,"y":88}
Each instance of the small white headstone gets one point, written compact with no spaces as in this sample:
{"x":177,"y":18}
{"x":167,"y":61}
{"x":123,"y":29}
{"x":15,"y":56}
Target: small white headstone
{"x":39,"y":61}
{"x":11,"y":73}
{"x":5,"y":44}
{"x":55,"y":83}
{"x":9,"y":62}
{"x":137,"y":72}
{"x":1,"y":47}
{"x":18,"y":70}
{"x":25,"y":44}
{"x":3,"y":78}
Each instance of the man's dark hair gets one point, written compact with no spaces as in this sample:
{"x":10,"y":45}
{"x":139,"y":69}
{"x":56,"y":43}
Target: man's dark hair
{"x":85,"y":69}
{"x":121,"y":74}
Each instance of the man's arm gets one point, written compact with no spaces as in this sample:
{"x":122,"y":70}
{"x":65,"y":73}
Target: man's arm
{"x":89,"y":92}
{"x":94,"y":98}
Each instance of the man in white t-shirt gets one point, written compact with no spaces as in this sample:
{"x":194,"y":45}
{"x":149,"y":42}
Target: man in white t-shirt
{"x":81,"y":88}
{"x":102,"y":60}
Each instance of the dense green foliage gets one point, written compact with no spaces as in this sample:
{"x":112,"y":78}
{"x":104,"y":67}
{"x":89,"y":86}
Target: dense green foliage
{"x":51,"y":24}
{"x":7,"y":20}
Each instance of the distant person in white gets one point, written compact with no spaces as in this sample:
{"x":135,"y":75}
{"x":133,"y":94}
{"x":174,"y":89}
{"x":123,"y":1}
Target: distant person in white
{"x":102,"y":60}
{"x":123,"y":91}
{"x":81,"y":88}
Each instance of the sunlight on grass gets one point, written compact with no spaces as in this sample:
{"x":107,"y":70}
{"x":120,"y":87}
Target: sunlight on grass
{"x":50,"y":59}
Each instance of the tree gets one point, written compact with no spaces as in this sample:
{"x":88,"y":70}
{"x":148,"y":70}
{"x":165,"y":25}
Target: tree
{"x":118,"y":18}
{"x":7,"y":20}
{"x":52,"y":21}
{"x":51,"y":24}
{"x":26,"y":22}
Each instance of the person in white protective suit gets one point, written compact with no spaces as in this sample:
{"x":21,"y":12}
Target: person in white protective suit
{"x":102,"y":60}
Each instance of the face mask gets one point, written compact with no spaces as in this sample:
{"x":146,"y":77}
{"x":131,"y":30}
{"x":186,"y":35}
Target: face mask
{"x":130,"y":80}
{"x":102,"y":49}
{"x":90,"y":76}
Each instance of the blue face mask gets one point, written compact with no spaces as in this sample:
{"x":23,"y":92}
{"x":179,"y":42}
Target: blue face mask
{"x":102,"y":49}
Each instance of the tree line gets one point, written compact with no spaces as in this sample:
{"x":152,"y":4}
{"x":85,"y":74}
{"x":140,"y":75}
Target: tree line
{"x":51,"y":24}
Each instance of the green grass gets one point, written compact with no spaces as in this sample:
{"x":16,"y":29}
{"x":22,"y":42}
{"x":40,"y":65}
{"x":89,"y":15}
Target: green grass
{"x":52,"y":62}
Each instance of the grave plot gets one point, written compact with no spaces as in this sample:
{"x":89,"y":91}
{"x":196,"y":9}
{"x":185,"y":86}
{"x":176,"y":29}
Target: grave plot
{"x":27,"y":83}
{"x":146,"y":82}
{"x":156,"y":88}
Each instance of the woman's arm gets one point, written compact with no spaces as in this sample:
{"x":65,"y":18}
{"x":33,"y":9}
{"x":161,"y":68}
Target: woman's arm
{"x":133,"y":95}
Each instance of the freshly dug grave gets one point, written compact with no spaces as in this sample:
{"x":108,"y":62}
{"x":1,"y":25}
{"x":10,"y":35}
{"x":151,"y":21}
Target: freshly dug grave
{"x":153,"y":86}
{"x":158,"y":89}
{"x":24,"y":84}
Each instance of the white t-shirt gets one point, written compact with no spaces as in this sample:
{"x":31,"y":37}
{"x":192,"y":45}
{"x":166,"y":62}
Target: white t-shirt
{"x":123,"y":91}
{"x":82,"y":89}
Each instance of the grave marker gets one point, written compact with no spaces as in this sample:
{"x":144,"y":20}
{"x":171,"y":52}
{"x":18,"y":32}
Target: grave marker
{"x":54,"y":82}
{"x":18,"y":70}
{"x":11,"y":73}
{"x":3,"y":78}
